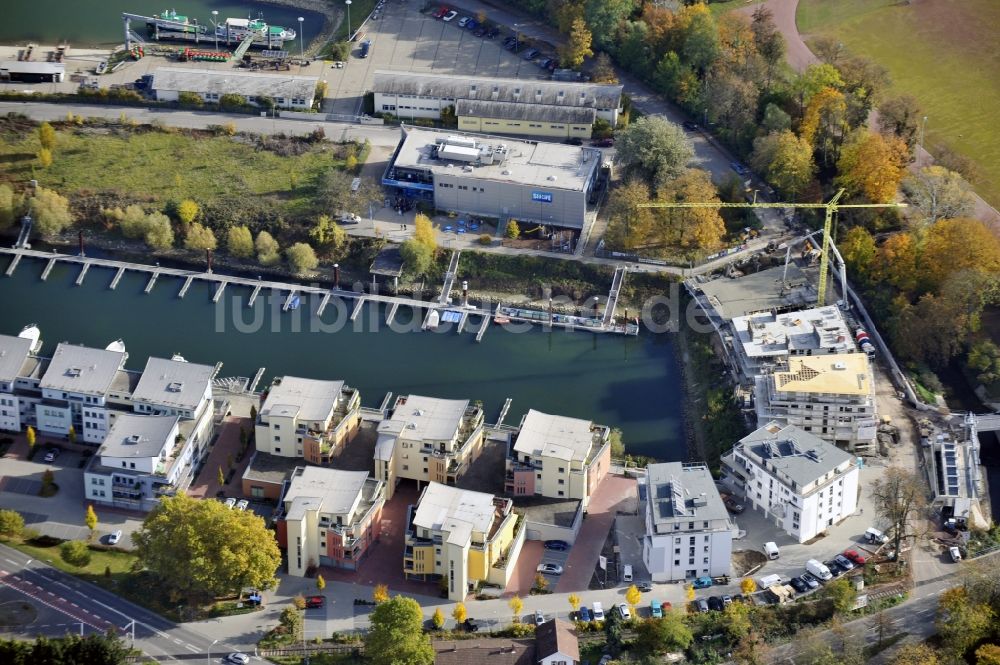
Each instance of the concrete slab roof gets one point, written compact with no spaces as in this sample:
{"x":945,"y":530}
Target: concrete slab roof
{"x":14,"y":352}
{"x":767,"y":334}
{"x":135,"y":436}
{"x":308,"y":399}
{"x":176,"y":384}
{"x":441,"y":506}
{"x":762,"y":291}
{"x":554,"y":436}
{"x":82,"y":369}
{"x":683,"y":493}
{"x":336,"y":492}
{"x":570,"y":115}
{"x":428,"y":418}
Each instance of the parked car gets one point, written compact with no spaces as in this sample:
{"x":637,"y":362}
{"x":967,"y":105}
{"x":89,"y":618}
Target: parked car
{"x":493,"y":32}
{"x":739,"y":168}
{"x":550,"y":568}
{"x":598,"y":612}
{"x":645,"y":587}
{"x":874,"y":536}
{"x":115,"y":537}
{"x":655,"y":609}
{"x":732,"y":505}
{"x":315,"y":601}
{"x":544,"y":62}
{"x":811,"y":581}
{"x":701,"y":605}
{"x":237,"y":658}
{"x":552,"y":65}
{"x":556,"y":545}
{"x":799,"y":584}
{"x":463,"y":21}
{"x":715,"y":603}
{"x":835,"y":568}
{"x":441,"y":11}
{"x":51,"y":455}
{"x":855,"y":558}
{"x":242,"y":504}
{"x":844,"y":562}
{"x":471,"y":625}
{"x":584,"y":614}
{"x":450,"y":16}
{"x":531,"y":54}
{"x":623,"y":611}
{"x":702,"y":583}
{"x":727,"y":600}
{"x":472,"y":24}
{"x":230,"y":502}
{"x":481,"y":32}
{"x":690,"y":126}
{"x":956,"y":554}
{"x":603,"y":143}
{"x":538,"y":618}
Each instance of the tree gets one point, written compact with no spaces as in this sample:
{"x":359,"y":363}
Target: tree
{"x":984,"y":359}
{"x":11,"y":524}
{"x":842,"y":593}
{"x":417,"y":257}
{"x":239,"y":242}
{"x":187,"y":211}
{"x":91,"y":519}
{"x":577,"y":45}
{"x":186,"y":98}
{"x":633,"y":597}
{"x":659,"y":636}
{"x":786,"y":159}
{"x":962,"y":622}
{"x":917,"y":653}
{"x":516,"y":605}
{"x":655,"y":148}
{"x":31,"y":437}
{"x":699,"y":37}
{"x":824,"y":122}
{"x":268,"y":251}
{"x":814,"y":79}
{"x":988,"y":654}
{"x":175,"y":537}
{"x":937,"y":193}
{"x":872,"y":165}
{"x":46,"y":136}
{"x":858,"y":250}
{"x":769,"y":41}
{"x":423,"y":231}
{"x":50,"y":212}
{"x":329,"y":236}
{"x":199,"y":237}
{"x":459,"y":614}
{"x":629,"y":225}
{"x":380,"y":594}
{"x":513,"y":231}
{"x":8,"y":206}
{"x":899,"y":499}
{"x":221,"y":477}
{"x":541,"y":584}
{"x":613,"y":636}
{"x":953,"y":245}
{"x":301,"y":258}
{"x":603,"y":70}
{"x":437,"y":619}
{"x":691,"y":228}
{"x":75,"y":553}
{"x":751,"y":650}
{"x":574,"y":602}
{"x":397,"y":636}
{"x":603,"y":17}
{"x":320,"y":583}
{"x":738,"y":621}
{"x":901,"y":117}
{"x":689,"y":592}
{"x":775,"y":119}
{"x":748,"y":586}
{"x":159,"y":233}
{"x":896,"y":262}
{"x":291,"y":620}
{"x":617,"y":443}
{"x":44,"y":156}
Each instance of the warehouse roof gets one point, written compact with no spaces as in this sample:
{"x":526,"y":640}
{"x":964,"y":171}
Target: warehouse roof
{"x":571,"y":115}
{"x":32,"y":67}
{"x":230,"y":82}
{"x":173,"y":383}
{"x":448,"y":86}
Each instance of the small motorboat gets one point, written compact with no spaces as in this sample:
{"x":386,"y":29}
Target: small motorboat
{"x":433,"y":319}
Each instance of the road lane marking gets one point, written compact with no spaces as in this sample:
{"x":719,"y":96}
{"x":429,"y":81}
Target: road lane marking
{"x":191,"y":648}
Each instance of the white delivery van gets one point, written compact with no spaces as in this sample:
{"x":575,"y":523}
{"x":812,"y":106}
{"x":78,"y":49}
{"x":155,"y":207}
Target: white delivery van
{"x":771,"y":550}
{"x":627,"y":575}
{"x":873,"y":535}
{"x":819,"y":570}
{"x":768,"y":581}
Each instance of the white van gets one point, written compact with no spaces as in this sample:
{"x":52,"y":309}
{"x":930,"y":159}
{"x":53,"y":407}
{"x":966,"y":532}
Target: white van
{"x":627,"y":575}
{"x":771,"y":550}
{"x":819,"y":570}
{"x":768,"y":581}
{"x":873,"y":535}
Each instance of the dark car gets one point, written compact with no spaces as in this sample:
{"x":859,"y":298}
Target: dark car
{"x":472,"y":24}
{"x":732,"y":505}
{"x":492,"y":34}
{"x":481,"y":32}
{"x":556,"y":545}
{"x":315,"y":601}
{"x":471,"y":625}
{"x":835,"y":568}
{"x":645,"y":587}
{"x":552,"y":65}
{"x":574,"y":140}
{"x":690,"y":126}
{"x":603,"y":143}
{"x":584,"y":614}
{"x":509,"y":42}
{"x":532,"y":53}
{"x":810,"y":580}
{"x":715,"y":604}
{"x":544,"y":62}
{"x":798,"y":584}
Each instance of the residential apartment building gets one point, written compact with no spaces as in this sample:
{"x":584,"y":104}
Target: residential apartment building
{"x":462,"y":536}
{"x":307,"y":418}
{"x":831,"y":396}
{"x":428,"y":440}
{"x":557,"y":457}
{"x":688,"y":531}
{"x":19,"y":372}
{"x":328,"y":517}
{"x":799,"y":481}
{"x":176,"y":387}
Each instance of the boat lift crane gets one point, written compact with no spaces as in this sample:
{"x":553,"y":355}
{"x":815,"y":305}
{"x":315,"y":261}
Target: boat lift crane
{"x":831,"y":206}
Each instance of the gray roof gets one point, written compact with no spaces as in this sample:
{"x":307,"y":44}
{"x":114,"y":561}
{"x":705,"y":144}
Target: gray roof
{"x":14,"y":352}
{"x":32,"y":67}
{"x":173,"y":383}
{"x":762,"y":291}
{"x":308,"y":399}
{"x":478,"y":108}
{"x":554,"y":436}
{"x":134,"y":435}
{"x":801,"y":456}
{"x":447,"y":508}
{"x":533,"y":91}
{"x":228,"y":81}
{"x":683,"y":493}
{"x":81,"y":369}
{"x":328,"y":490}
{"x":429,"y":418}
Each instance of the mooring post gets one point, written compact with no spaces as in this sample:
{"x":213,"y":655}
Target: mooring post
{"x":208,"y":256}
{"x":80,"y":237}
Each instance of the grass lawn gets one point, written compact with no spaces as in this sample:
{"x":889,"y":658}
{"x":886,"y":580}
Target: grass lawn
{"x":169,"y":165}
{"x":938,"y":51}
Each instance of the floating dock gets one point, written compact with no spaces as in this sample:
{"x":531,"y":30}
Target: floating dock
{"x":219,"y":290}
{"x":482,"y":327}
{"x":83,"y":274}
{"x":256,"y":379}
{"x":449,"y":277}
{"x":253,"y":296}
{"x":292,"y":296}
{"x":118,"y":278}
{"x":503,"y":411}
{"x":187,"y":285}
{"x":323,"y":303}
{"x":392,"y":313}
{"x":152,"y":281}
{"x":48,"y":269}
{"x":13,"y":265}
{"x":357,"y":307}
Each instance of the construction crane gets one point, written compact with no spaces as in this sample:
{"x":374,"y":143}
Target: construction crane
{"x":830,"y":206}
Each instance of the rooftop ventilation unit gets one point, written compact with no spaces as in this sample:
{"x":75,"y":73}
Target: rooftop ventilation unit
{"x":839,"y":366}
{"x":73,"y":371}
{"x":175,"y":386}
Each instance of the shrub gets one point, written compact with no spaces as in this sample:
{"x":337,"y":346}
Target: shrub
{"x":485,"y":239}
{"x":75,"y":553}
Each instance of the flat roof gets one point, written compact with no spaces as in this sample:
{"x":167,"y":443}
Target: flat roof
{"x":336,"y":491}
{"x":767,"y":334}
{"x":82,"y":369}
{"x":136,"y":436}
{"x":14,"y":353}
{"x":428,"y":418}
{"x":554,"y":436}
{"x":173,"y":383}
{"x":32,"y":67}
{"x":800,"y":455}
{"x":839,"y":374}
{"x":556,"y":166}
{"x":445,"y":507}
{"x":761,"y":291}
{"x":272,"y":469}
{"x":308,"y":399}
{"x":184,"y":79}
{"x":683,"y":493}
{"x":571,"y":115}
{"x":523,"y":91}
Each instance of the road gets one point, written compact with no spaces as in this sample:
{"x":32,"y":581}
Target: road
{"x":98,"y":609}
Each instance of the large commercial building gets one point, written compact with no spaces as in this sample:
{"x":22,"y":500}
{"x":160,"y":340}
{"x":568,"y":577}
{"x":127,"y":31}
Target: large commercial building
{"x":557,"y":457}
{"x":328,"y":517}
{"x":463,"y":537}
{"x":525,"y":107}
{"x":491,"y":176}
{"x":799,"y":481}
{"x":831,"y":396}
{"x":291,"y":92}
{"x":307,"y":418}
{"x":688,"y":531}
{"x":428,"y":440}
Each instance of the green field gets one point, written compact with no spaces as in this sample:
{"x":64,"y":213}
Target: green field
{"x":943,"y":52}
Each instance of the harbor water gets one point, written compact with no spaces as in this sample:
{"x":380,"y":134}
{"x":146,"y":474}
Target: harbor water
{"x":628,"y":382}
{"x":85,"y":23}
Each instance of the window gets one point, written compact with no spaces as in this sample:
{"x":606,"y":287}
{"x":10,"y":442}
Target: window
{"x":277,"y":450}
{"x":277,"y":437}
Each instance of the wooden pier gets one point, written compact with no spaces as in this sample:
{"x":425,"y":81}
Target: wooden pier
{"x":323,"y":303}
{"x":83,"y":273}
{"x":13,"y":265}
{"x":118,"y":278}
{"x":357,"y":307}
{"x":392,"y":313}
{"x":187,"y":285}
{"x":219,"y":290}
{"x":253,"y":296}
{"x":152,"y":281}
{"x":48,"y":269}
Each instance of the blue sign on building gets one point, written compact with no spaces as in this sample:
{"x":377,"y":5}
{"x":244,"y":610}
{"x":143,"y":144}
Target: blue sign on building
{"x":542,"y":197}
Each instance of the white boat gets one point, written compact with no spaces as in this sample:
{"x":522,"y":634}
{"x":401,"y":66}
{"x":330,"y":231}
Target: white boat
{"x":238,"y":28}
{"x":32,"y":332}
{"x":433,"y":319}
{"x":179,"y":358}
{"x":117,"y":345}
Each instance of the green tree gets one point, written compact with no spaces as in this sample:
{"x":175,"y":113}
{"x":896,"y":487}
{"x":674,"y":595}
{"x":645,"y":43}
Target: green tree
{"x":8,"y":206}
{"x":380,"y":594}
{"x":301,"y":258}
{"x":11,"y":524}
{"x":187,"y":211}
{"x":937,"y":193}
{"x":577,"y":45}
{"x":659,"y":636}
{"x":459,"y":614}
{"x":814,"y":79}
{"x":655,"y":148}
{"x":917,"y":653}
{"x":320,"y":582}
{"x":437,"y":619}
{"x":842,"y":593}
{"x":962,"y":622}
{"x":232,"y":101}
{"x":984,"y":359}
{"x":268,"y":251}
{"x":199,"y":237}
{"x":699,"y":38}
{"x":330,"y":237}
{"x":46,"y":136}
{"x":131,"y":221}
{"x":988,"y":654}
{"x":159,"y":232}
{"x":221,"y":477}
{"x":899,"y":500}
{"x":185,"y":98}
{"x":91,"y":519}
{"x":858,"y":250}
{"x":50,"y":212}
{"x":513,"y":230}
{"x":603,"y":17}
{"x":291,"y":620}
{"x":613,"y":632}
{"x":417,"y":257}
{"x":44,"y":156}
{"x":175,"y":536}
{"x":239,"y":242}
{"x":75,"y":553}
{"x":396,"y":634}
{"x":786,"y":159}
{"x":617,"y":443}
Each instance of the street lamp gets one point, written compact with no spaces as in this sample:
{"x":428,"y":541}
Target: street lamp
{"x":302,"y":39}
{"x":923,"y":130}
{"x":208,"y":657}
{"x":515,"y":37}
{"x":348,"y":3}
{"x":215,"y":26}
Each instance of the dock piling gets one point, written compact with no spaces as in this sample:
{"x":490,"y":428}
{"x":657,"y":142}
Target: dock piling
{"x":118,"y":278}
{"x":48,"y":269}
{"x":83,"y":273}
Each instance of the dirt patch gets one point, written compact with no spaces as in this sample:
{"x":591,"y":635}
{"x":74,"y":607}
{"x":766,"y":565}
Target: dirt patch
{"x":746,"y":560}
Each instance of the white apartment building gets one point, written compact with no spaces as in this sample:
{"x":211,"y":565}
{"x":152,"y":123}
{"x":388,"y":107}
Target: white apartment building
{"x":799,"y":481}
{"x":688,"y":531}
{"x":765,"y":340}
{"x":557,"y":457}
{"x":18,"y":371}
{"x":176,"y":387}
{"x":307,"y":418}
{"x":428,"y":440}
{"x":831,"y":396}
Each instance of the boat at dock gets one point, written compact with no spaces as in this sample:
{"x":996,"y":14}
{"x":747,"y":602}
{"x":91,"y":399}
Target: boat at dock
{"x":32,"y":333}
{"x":118,"y":346}
{"x":238,"y":28}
